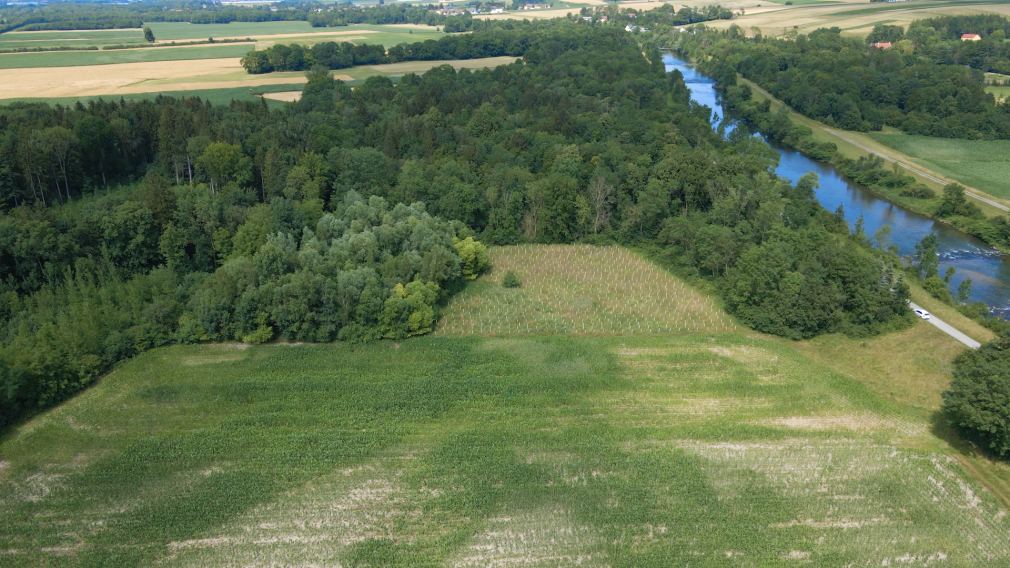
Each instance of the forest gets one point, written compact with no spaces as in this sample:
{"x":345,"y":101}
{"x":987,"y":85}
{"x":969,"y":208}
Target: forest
{"x":845,"y":83}
{"x":356,"y":213}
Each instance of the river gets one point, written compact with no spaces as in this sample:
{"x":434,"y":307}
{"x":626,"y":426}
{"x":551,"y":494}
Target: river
{"x":971,"y":258}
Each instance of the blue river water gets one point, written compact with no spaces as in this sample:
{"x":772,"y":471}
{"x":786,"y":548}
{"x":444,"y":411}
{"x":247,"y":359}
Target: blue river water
{"x":988,"y":269}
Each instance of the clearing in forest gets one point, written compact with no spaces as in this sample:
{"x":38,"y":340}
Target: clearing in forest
{"x":580,"y":290}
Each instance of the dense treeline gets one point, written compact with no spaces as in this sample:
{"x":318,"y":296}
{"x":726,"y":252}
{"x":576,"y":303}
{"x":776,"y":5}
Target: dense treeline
{"x":978,"y":400}
{"x":665,"y":15}
{"x":339,"y":55}
{"x":249,"y":223}
{"x":845,"y":83}
{"x":939,"y":40}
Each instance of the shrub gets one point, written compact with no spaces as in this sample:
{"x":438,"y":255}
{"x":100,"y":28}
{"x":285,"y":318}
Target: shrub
{"x":978,"y":400}
{"x":918,"y":191}
{"x":511,"y":280}
{"x":474,"y":257}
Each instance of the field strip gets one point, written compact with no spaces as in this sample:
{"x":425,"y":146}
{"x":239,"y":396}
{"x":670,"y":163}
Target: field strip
{"x":128,"y":78}
{"x":130,"y":49}
{"x":27,"y":32}
{"x":160,"y":76}
{"x":258,"y":37}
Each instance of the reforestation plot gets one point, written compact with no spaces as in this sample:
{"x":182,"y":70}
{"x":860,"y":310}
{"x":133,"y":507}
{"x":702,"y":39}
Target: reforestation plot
{"x":579,"y":290}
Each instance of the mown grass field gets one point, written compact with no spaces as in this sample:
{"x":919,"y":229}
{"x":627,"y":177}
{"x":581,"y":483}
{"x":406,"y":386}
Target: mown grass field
{"x":75,"y":38}
{"x":983,"y":164}
{"x":711,"y":446}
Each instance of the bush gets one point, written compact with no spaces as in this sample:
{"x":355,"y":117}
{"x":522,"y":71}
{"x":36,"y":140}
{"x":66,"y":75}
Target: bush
{"x":937,"y":288}
{"x":918,"y":191}
{"x":978,"y":400}
{"x":474,"y":257}
{"x":511,"y":280}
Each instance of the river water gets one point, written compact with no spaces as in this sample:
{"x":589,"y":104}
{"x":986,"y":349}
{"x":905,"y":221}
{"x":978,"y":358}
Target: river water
{"x":971,"y":258}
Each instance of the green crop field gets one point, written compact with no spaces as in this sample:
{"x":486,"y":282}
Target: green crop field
{"x":361,"y":33}
{"x":688,"y":448}
{"x":982,"y":164}
{"x":77,"y":58}
{"x":76,"y":38}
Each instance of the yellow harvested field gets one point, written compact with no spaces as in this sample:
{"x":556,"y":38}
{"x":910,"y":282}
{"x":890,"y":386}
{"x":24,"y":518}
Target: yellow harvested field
{"x":128,"y":78}
{"x":853,"y":18}
{"x":159,"y":76}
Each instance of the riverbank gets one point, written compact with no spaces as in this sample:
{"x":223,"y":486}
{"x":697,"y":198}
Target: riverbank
{"x":853,"y":145}
{"x":849,"y":156}
{"x":885,"y":217}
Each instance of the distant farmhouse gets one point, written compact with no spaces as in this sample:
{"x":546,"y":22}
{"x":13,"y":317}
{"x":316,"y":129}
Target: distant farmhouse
{"x":883,"y":45}
{"x":971,"y":37}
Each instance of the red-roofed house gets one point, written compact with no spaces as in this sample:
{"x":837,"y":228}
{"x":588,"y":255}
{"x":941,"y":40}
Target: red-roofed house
{"x":883,"y":45}
{"x":971,"y":37}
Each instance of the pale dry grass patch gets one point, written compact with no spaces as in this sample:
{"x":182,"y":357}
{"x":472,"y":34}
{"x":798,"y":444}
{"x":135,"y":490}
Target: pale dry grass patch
{"x":544,"y":537}
{"x":313,"y":524}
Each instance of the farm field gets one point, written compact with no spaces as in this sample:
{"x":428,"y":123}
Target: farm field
{"x":221,"y":96}
{"x":571,"y":290}
{"x":685,"y":448}
{"x":385,"y":34}
{"x":981,"y":164}
{"x":75,"y":38}
{"x":853,"y":18}
{"x":220,"y":75}
{"x":183,"y":55}
{"x":262,"y":34}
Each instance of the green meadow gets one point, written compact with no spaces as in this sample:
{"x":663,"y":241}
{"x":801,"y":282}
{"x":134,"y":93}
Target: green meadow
{"x":705,"y":446}
{"x":982,"y":164}
{"x":366,"y":33}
